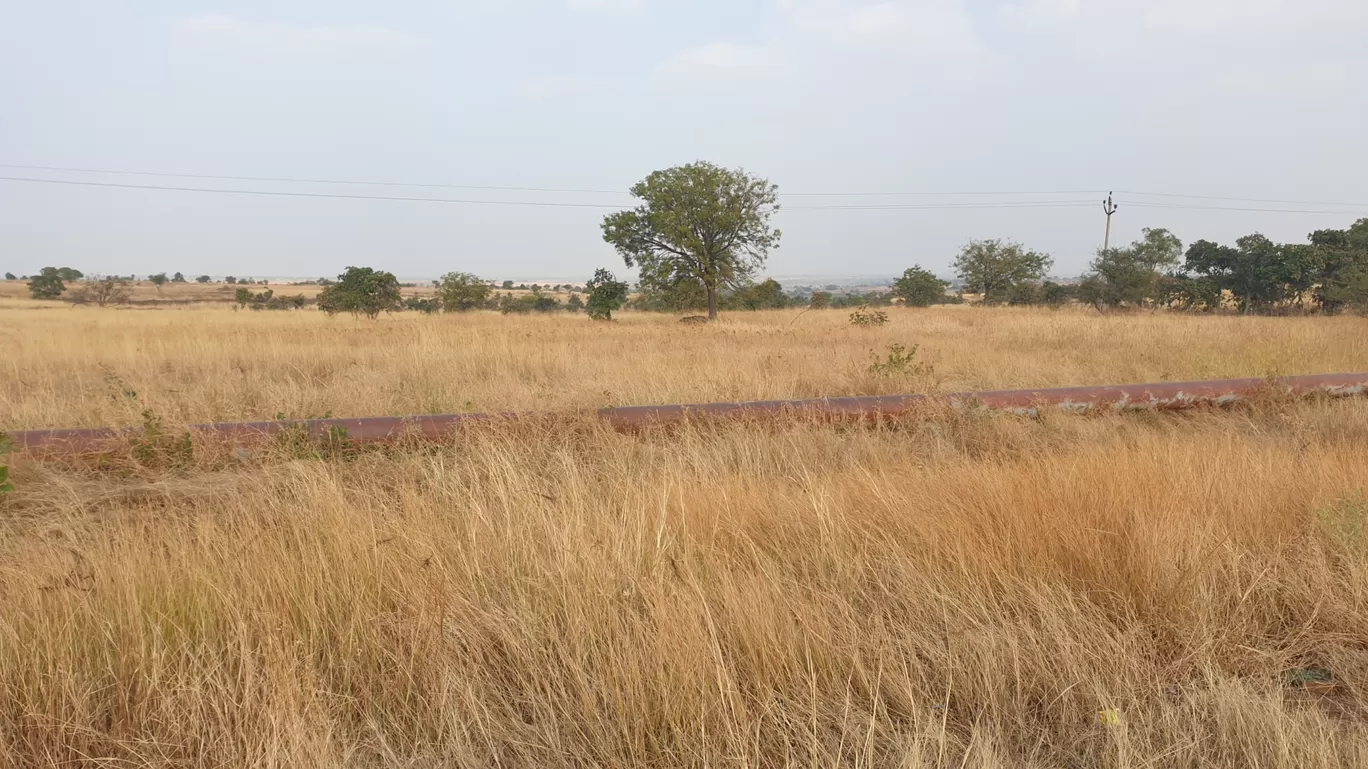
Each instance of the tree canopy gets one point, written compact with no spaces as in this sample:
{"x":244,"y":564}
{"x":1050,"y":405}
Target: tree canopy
{"x":47,"y":284}
{"x":362,"y":291}
{"x":606,"y":294}
{"x":919,"y":288}
{"x":698,"y":221}
{"x":994,"y":268}
{"x":462,"y":292}
{"x":1131,"y":275}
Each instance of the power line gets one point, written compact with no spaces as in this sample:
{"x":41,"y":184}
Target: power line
{"x":551,"y":204}
{"x":1242,"y":200}
{"x":566,"y":190}
{"x":924,"y":206}
{"x":557,"y":204}
{"x":300,"y":180}
{"x":579,"y":191}
{"x":1188,"y":207}
{"x":287,"y":194}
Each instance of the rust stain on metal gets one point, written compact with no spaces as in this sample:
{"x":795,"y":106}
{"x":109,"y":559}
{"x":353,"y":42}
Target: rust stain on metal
{"x":1164,"y":395}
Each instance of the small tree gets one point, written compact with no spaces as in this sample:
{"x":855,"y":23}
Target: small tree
{"x":462,"y":292}
{"x":70,"y":275}
{"x":699,"y":221}
{"x":243,"y":297}
{"x":178,"y":278}
{"x":507,"y":285}
{"x":1132,"y":275}
{"x":158,"y":280}
{"x":230,"y":280}
{"x":102,"y":291}
{"x":10,"y":276}
{"x":606,"y":294}
{"x":203,"y":279}
{"x":820,"y":300}
{"x":920,"y":288}
{"x":47,"y":284}
{"x":574,"y":303}
{"x":994,"y":267}
{"x":362,"y":291}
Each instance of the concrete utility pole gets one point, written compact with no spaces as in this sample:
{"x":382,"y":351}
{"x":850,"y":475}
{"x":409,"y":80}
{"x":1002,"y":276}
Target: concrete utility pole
{"x":1109,"y":208}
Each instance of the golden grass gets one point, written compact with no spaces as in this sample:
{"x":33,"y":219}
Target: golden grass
{"x":72,"y":367}
{"x":973,"y":591}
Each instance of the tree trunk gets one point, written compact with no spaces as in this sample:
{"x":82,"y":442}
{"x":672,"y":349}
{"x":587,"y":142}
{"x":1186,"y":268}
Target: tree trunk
{"x":712,"y":302}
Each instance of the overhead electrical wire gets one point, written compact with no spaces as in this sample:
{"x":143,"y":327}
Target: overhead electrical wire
{"x":558,"y":190}
{"x":298,"y":180}
{"x":883,"y":206}
{"x":549,"y":204}
{"x":291,"y":194}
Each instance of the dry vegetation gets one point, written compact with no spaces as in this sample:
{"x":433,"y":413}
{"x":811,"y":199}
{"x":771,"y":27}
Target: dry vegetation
{"x":973,"y":591}
{"x":75,"y":367}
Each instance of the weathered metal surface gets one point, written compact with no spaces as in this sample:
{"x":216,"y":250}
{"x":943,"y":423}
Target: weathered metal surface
{"x":1164,"y":395}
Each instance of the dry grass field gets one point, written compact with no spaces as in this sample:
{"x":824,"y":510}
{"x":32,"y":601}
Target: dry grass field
{"x":991,"y":591}
{"x":86,"y":367}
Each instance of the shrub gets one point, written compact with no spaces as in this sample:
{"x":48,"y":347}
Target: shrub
{"x":102,"y":291}
{"x":606,"y":294}
{"x":5,"y":485}
{"x":462,"y":292}
{"x":422,"y":304}
{"x":867,"y":318}
{"x":901,"y":361}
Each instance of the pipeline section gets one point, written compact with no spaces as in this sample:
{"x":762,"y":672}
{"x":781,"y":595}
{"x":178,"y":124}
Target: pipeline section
{"x":1160,"y":396}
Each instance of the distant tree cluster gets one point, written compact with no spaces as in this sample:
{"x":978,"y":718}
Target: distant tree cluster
{"x":267,"y":300}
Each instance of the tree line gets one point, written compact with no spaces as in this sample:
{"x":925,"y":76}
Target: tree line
{"x":701,"y":233}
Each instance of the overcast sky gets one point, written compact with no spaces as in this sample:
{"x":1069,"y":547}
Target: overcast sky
{"x":1228,"y":98}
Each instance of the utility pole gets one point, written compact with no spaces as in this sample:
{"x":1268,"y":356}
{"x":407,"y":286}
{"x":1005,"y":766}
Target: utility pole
{"x":1109,"y":208}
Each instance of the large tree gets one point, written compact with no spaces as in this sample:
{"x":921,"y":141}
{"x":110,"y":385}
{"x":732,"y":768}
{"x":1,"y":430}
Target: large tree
{"x":462,"y":292}
{"x":362,"y":291}
{"x":699,"y":221}
{"x":994,"y":268}
{"x":1342,"y":258}
{"x":47,"y":284}
{"x":919,"y":288}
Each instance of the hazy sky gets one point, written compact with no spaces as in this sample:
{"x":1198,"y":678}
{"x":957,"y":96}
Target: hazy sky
{"x":1232,"y":98}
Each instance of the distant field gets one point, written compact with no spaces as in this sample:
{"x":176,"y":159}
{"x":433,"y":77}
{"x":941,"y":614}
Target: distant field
{"x":1116,"y":590}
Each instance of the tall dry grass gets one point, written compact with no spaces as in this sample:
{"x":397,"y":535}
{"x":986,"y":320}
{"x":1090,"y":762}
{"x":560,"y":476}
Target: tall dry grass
{"x":972,"y":591}
{"x":89,"y":367}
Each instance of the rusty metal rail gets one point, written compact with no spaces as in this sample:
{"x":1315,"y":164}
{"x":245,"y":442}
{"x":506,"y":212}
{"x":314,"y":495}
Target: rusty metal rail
{"x":1165,"y":395}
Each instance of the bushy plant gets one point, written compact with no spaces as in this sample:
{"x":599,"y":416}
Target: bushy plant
{"x":900,"y":361}
{"x":867,"y":318}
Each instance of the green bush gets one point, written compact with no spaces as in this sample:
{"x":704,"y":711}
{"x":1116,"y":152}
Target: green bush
{"x":867,"y":318}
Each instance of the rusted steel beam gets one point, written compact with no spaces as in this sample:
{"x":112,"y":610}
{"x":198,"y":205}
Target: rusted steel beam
{"x":1163,"y":395}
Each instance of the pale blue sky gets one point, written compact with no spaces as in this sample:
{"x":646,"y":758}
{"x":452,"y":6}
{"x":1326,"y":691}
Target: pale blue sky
{"x":1234,"y":98}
